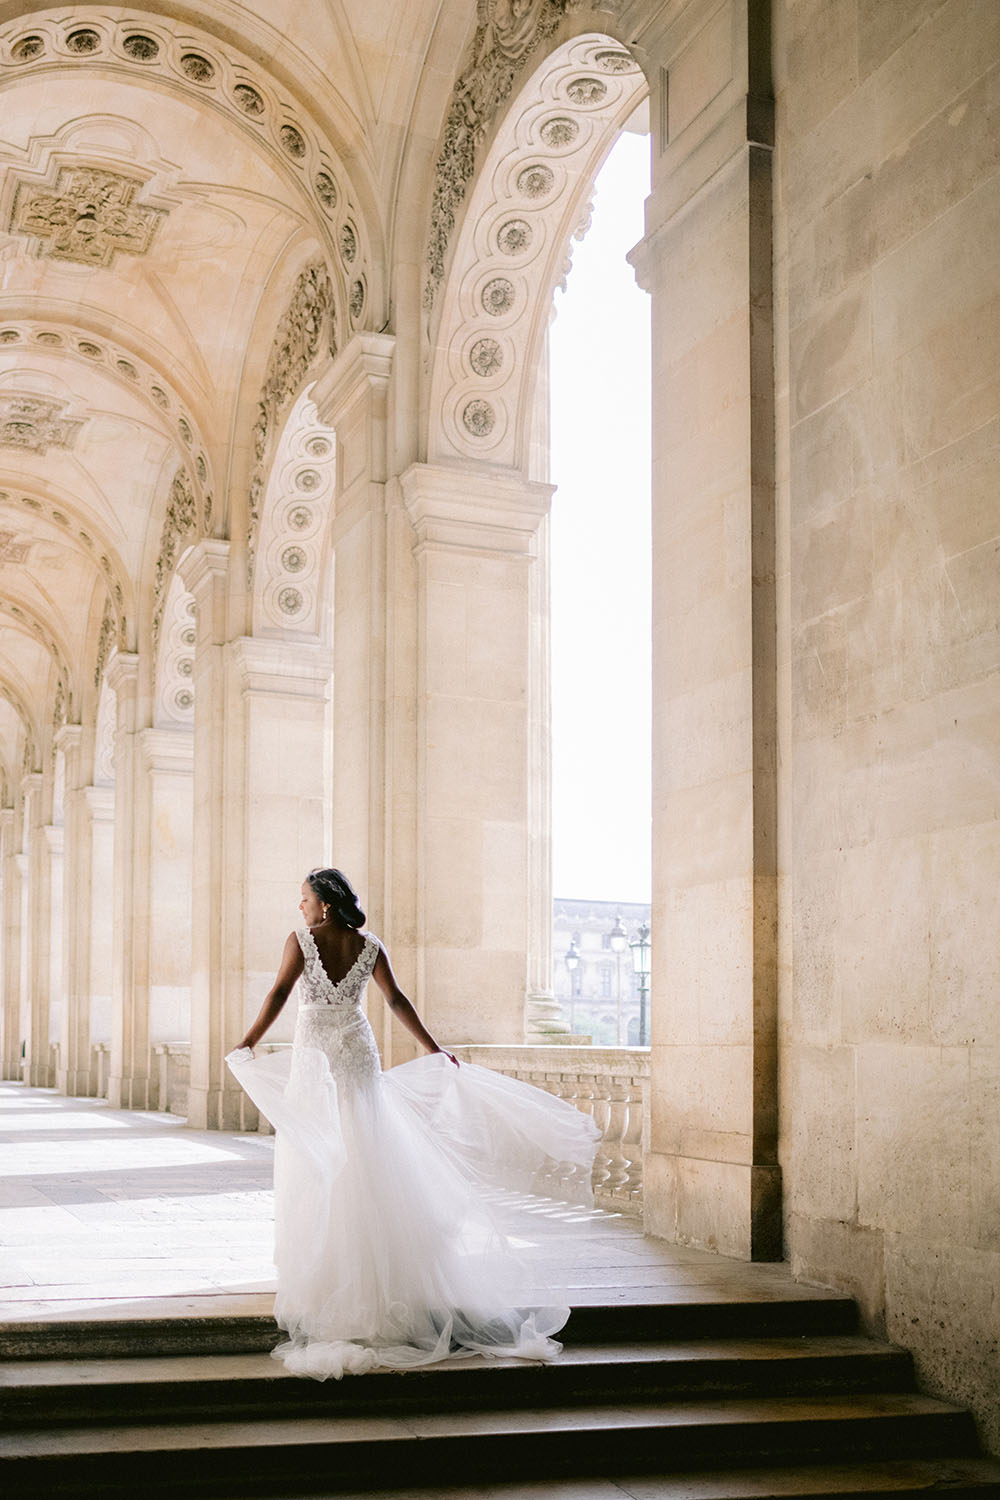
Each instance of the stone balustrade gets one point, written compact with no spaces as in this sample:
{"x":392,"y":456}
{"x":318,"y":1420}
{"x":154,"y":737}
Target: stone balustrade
{"x":171,"y":1076}
{"x":610,"y":1083}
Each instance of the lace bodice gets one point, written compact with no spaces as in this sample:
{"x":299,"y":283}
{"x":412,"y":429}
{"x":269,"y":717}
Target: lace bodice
{"x":319,"y":989}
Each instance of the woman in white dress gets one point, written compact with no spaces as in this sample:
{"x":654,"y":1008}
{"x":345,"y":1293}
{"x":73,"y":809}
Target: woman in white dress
{"x":396,"y":1192}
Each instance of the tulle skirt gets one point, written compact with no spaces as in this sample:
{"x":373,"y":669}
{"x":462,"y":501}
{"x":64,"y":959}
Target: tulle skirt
{"x":408,"y":1222}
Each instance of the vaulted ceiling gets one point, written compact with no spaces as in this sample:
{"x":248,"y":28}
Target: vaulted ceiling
{"x":160,"y":169}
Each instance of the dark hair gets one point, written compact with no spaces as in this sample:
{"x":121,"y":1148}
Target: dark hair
{"x":333,"y":887}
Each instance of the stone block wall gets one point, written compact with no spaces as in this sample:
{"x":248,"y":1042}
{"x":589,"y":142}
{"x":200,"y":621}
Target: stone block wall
{"x":888,"y":364}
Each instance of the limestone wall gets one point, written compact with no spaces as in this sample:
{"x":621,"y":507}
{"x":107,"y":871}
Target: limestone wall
{"x":888,"y":356}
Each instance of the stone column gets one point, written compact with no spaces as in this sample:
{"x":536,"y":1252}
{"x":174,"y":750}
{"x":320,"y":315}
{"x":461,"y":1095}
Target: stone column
{"x":128,"y":1079}
{"x":55,"y":844}
{"x":36,"y":940}
{"x":712,"y":1176}
{"x":476,"y":542}
{"x":285,"y":691}
{"x":218,"y":847}
{"x":73,"y":1072}
{"x":10,"y":955}
{"x":372,"y":644}
{"x":164,"y":967}
{"x":99,"y":878}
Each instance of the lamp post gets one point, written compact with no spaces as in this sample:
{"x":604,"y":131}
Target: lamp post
{"x":640,"y":947}
{"x":618,"y":942}
{"x":572,"y":962}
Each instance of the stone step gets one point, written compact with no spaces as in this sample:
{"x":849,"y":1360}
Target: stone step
{"x":895,"y":1478}
{"x":209,"y":1387}
{"x":705,"y":1312}
{"x":332,"y":1454}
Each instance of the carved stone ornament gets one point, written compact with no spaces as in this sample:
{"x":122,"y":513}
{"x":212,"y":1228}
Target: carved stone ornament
{"x":35,"y":423}
{"x":562,"y":131}
{"x":507,"y":33}
{"x":105,"y":641}
{"x":497,"y":296}
{"x":514,"y":236}
{"x":615,"y":61}
{"x":535,"y":181}
{"x":486,"y":357}
{"x":587,"y":90}
{"x":88,"y":217}
{"x":290,"y":601}
{"x":308,"y":327}
{"x":180,"y":521}
{"x":12,"y":550}
{"x":479,"y":418}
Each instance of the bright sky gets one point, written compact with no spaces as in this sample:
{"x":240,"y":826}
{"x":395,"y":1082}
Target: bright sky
{"x":601,"y":551}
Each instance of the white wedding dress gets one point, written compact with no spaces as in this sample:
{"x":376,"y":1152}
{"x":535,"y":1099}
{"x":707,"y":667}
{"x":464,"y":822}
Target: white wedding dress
{"x":397,"y":1194}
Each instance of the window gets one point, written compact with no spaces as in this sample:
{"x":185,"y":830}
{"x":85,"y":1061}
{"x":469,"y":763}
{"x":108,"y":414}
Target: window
{"x":605,"y":982}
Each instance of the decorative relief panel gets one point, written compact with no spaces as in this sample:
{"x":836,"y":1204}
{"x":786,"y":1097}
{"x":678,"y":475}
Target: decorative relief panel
{"x":221,"y":78}
{"x":90,"y":216}
{"x":35,"y":423}
{"x":13,"y":549}
{"x":179,"y":523}
{"x":175,"y":660}
{"x":105,"y":642}
{"x":293,"y":572}
{"x":530,"y":199}
{"x":506,"y":37}
{"x":307,"y":330}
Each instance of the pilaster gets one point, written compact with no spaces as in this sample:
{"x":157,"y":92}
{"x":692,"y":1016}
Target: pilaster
{"x":73,"y":1072}
{"x":10,"y":954}
{"x":35,"y":952}
{"x":712,"y":1176}
{"x":477,"y":537}
{"x":128,"y":1077}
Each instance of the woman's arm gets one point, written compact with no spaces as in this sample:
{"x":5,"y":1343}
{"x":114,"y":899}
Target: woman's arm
{"x":401,"y":1006}
{"x":291,"y":967}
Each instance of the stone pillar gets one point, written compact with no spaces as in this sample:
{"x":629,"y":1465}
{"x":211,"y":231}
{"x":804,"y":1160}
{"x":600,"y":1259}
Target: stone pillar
{"x":128,"y":1078}
{"x":164,"y":966}
{"x":285,"y":689}
{"x":218,"y":847}
{"x":476,"y":542}
{"x":10,"y":955}
{"x":712,"y":1176}
{"x":73,"y":1070}
{"x":99,"y":879}
{"x":55,"y":843}
{"x":36,"y":940}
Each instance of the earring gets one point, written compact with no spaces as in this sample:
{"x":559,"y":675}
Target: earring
{"x":325,"y":910}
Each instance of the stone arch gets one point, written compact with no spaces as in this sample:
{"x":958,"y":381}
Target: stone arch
{"x":292,"y":579}
{"x":172,"y":408}
{"x":530,"y":196}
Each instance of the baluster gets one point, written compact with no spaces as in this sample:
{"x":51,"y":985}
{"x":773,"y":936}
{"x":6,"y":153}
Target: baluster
{"x":618,"y":1117}
{"x":632,"y":1142}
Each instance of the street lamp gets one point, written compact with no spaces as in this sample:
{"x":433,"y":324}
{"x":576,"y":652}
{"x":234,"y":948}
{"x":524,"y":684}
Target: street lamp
{"x":618,"y":942}
{"x":572,"y":962}
{"x":641,"y":947}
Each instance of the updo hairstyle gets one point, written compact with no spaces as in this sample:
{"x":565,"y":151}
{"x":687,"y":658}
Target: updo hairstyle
{"x":333,"y":887}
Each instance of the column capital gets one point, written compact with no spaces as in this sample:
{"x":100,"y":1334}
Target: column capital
{"x":168,"y":749}
{"x":122,"y":672}
{"x":68,"y":737}
{"x":474,"y":508}
{"x":100,"y":803}
{"x":6,"y":817}
{"x":31,"y":781}
{"x":362,"y":366}
{"x":205,"y":574}
{"x":283,"y":669}
{"x":55,"y":837}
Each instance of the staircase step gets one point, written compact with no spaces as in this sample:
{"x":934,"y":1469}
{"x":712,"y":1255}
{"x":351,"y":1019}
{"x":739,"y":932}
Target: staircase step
{"x":359,"y":1452}
{"x":706,"y":1312}
{"x":215,"y":1386}
{"x":896,"y":1478}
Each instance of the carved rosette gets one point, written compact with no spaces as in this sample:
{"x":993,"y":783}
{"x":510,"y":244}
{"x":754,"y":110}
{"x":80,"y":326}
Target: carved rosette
{"x":90,"y":216}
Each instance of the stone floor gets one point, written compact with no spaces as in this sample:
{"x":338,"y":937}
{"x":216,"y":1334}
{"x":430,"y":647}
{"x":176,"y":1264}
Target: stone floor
{"x":118,"y":1212}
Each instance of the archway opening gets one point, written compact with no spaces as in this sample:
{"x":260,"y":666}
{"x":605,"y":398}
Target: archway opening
{"x":599,"y":374}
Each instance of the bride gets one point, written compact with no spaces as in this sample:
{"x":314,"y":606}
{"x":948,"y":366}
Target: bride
{"x":397,"y":1241}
